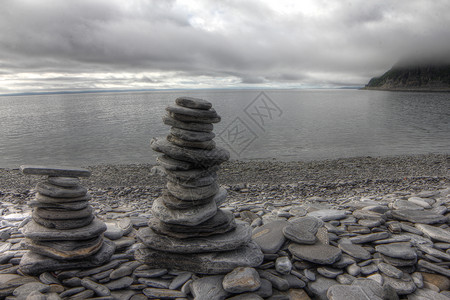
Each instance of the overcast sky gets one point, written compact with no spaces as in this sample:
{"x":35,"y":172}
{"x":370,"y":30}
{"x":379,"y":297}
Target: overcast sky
{"x":48,"y":45}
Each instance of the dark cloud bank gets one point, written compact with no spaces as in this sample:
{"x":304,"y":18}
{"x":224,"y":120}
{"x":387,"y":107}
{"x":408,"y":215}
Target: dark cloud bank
{"x":85,"y":44}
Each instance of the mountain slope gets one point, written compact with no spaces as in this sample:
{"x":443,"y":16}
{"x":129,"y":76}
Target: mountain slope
{"x":413,"y":77}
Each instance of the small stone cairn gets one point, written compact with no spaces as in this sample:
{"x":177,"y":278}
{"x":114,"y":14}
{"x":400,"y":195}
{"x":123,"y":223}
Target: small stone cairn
{"x":187,"y":230}
{"x":63,"y":233}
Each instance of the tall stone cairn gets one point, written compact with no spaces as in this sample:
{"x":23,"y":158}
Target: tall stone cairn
{"x":64,"y":233}
{"x":188,"y":231}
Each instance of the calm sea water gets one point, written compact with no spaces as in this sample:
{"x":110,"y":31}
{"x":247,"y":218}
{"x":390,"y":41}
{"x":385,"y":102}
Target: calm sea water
{"x":104,"y":128}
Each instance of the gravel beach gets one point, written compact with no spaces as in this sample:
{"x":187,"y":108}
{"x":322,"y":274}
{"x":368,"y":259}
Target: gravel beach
{"x":367,"y":228}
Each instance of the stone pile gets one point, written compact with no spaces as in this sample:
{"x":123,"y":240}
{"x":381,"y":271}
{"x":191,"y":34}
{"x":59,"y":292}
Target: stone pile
{"x":64,"y":232}
{"x":188,"y":231}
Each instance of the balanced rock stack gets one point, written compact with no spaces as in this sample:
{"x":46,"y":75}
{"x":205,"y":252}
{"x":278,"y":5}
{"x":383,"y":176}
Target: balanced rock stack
{"x":63,"y":233}
{"x":186,"y":218}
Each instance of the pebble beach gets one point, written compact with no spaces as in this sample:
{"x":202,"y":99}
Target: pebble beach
{"x":378,"y":227}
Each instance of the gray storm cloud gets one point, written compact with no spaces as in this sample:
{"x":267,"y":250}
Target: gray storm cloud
{"x":337,"y":42}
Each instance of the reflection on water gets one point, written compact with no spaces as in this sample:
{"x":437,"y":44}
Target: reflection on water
{"x":86,"y":129}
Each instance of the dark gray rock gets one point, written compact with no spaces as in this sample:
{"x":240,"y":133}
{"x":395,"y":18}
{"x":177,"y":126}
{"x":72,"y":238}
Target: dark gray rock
{"x":303,"y":230}
{"x":319,"y":288}
{"x":100,"y":290}
{"x":60,"y":171}
{"x":66,"y":205}
{"x":190,"y":216}
{"x":355,"y":251}
{"x":219,"y":242}
{"x":61,"y":213}
{"x":403,"y":286}
{"x":390,"y":270}
{"x":193,"y":136}
{"x":270,"y":236}
{"x":397,"y":250}
{"x":155,"y":293}
{"x":348,"y":292}
{"x":204,"y":158}
{"x":328,"y":214}
{"x":119,"y":284}
{"x":194,"y":103}
{"x":192,"y":194}
{"x":205,"y":127}
{"x":52,"y":200}
{"x":319,"y":253}
{"x":277,"y":282}
{"x":187,"y":118}
{"x":174,"y":164}
{"x":63,"y":224}
{"x":367,"y":238}
{"x":241,"y":280}
{"x":209,"y":288}
{"x":64,"y":181}
{"x":202,"y":263}
{"x":435,"y":233}
{"x":197,"y":113}
{"x":208,"y":145}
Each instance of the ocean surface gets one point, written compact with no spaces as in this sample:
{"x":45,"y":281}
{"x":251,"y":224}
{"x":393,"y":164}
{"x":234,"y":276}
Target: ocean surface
{"x":116,"y":128}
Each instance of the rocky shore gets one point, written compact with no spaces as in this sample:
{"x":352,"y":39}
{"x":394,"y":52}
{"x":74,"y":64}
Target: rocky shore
{"x":372,"y":228}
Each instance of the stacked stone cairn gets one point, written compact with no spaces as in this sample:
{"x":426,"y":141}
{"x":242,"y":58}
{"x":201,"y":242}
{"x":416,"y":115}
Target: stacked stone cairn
{"x":63,"y":233}
{"x":187,"y":230}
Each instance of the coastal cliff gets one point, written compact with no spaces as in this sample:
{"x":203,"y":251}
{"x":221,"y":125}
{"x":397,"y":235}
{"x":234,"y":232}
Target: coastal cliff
{"x":413,"y":77}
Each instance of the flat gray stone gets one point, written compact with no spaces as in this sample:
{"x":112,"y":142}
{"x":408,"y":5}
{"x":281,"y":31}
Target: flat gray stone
{"x":99,"y":289}
{"x":190,"y":175}
{"x":403,"y":286}
{"x":397,"y":250}
{"x":65,"y":250}
{"x":207,"y":179}
{"x":52,"y":200}
{"x":197,"y":193}
{"x":38,"y":232}
{"x":433,"y":267}
{"x":426,"y":294}
{"x":64,"y":224}
{"x":270,"y":236}
{"x":204,"y":158}
{"x":187,"y":118}
{"x":35,"y":264}
{"x":435,"y":233}
{"x":65,"y":205}
{"x":195,"y":103}
{"x":223,"y":221}
{"x":371,"y":287}
{"x":209,"y":288}
{"x":371,"y":237}
{"x":318,"y":253}
{"x":303,"y":230}
{"x":173,"y":202}
{"x":390,"y":270}
{"x":416,"y":216}
{"x":328,"y":214}
{"x":219,"y":242}
{"x":241,"y":280}
{"x":61,"y":213}
{"x":398,"y":262}
{"x":50,"y":190}
{"x":320,"y":286}
{"x":205,"y":127}
{"x":202,"y":263}
{"x":193,"y":136}
{"x":64,"y":181}
{"x":174,"y":164}
{"x":155,"y":293}
{"x":347,"y":292}
{"x":190,"y":217}
{"x":404,"y":204}
{"x":355,"y":251}
{"x":208,"y":145}
{"x":198,"y":113}
{"x":61,"y":171}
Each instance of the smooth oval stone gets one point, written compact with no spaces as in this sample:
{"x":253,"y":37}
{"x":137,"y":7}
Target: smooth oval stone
{"x":65,"y":249}
{"x":208,"y":179}
{"x":218,"y":242}
{"x":50,"y":190}
{"x":241,"y":280}
{"x":100,"y":290}
{"x":318,"y":253}
{"x":186,"y":118}
{"x":223,"y":221}
{"x":191,"y":216}
{"x":45,"y":199}
{"x":418,"y":216}
{"x":221,"y":262}
{"x":197,"y":193}
{"x":59,"y":171}
{"x":60,"y":213}
{"x":173,"y":164}
{"x":191,"y":175}
{"x":67,"y":206}
{"x":35,"y":231}
{"x":208,"y":145}
{"x":64,"y":181}
{"x":435,"y":233}
{"x":397,"y":250}
{"x":63,"y":224}
{"x":204,"y":127}
{"x":157,"y":293}
{"x":355,"y":251}
{"x":193,"y":136}
{"x":303,"y":230}
{"x":199,"y":157}
{"x":195,"y":103}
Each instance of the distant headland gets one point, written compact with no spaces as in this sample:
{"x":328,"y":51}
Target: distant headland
{"x":414,"y":76}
